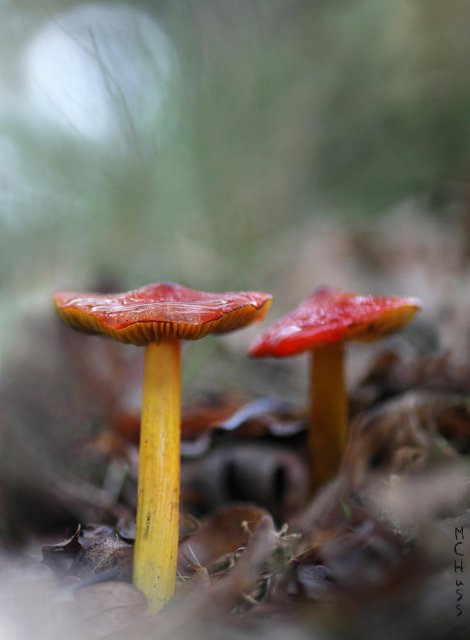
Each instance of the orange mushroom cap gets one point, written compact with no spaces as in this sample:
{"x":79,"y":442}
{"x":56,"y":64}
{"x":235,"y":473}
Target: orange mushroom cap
{"x":160,"y":311}
{"x":331,"y":315}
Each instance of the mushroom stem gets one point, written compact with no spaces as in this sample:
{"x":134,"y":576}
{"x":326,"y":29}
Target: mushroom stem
{"x":328,"y":413}
{"x":156,"y":543}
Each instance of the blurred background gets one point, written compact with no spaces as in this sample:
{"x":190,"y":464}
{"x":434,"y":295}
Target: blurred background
{"x":271,"y":145}
{"x":258,"y":144}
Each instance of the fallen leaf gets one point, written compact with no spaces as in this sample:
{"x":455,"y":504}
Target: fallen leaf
{"x":59,"y":557}
{"x":220,"y":534}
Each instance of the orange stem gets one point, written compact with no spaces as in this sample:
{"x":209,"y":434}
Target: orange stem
{"x":328,"y":413}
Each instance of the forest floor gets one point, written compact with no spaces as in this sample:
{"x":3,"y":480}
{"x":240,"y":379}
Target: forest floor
{"x":381,"y":552}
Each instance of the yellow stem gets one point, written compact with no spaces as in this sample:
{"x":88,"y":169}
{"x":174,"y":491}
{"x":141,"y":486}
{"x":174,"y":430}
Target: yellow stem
{"x":328,"y":413}
{"x":156,"y":543}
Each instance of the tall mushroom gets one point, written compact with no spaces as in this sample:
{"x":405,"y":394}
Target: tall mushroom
{"x":158,"y":316}
{"x":321,"y":325}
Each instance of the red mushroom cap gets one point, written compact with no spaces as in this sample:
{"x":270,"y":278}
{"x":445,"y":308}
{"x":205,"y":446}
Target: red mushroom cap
{"x":330,"y":315}
{"x":161,"y":311}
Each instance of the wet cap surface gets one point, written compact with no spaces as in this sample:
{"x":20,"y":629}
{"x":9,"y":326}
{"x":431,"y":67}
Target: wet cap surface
{"x":330,"y":315}
{"x":161,"y":311}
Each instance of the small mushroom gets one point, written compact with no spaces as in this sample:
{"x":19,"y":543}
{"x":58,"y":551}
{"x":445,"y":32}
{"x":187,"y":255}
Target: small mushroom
{"x":321,"y":325}
{"x":158,"y":316}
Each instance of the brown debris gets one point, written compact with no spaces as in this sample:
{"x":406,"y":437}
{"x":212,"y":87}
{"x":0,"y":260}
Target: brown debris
{"x":220,"y":535}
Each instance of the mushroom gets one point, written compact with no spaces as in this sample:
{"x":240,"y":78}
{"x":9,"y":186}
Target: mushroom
{"x":158,"y":316}
{"x":321,"y":325}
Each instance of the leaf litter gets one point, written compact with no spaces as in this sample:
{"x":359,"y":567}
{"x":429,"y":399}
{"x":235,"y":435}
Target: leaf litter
{"x":257,"y":556}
